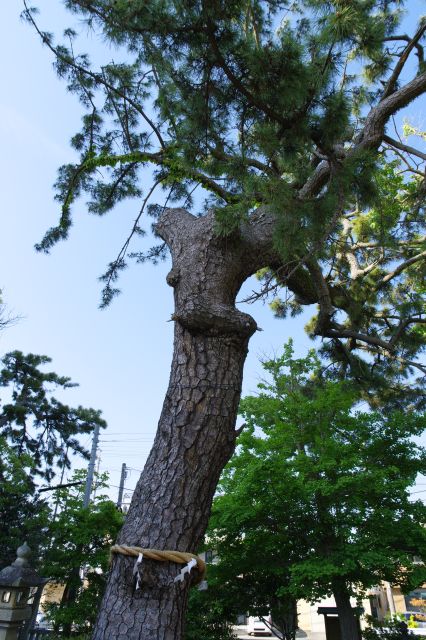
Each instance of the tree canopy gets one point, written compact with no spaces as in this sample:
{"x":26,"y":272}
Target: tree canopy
{"x":316,"y":499}
{"x":270,"y":105}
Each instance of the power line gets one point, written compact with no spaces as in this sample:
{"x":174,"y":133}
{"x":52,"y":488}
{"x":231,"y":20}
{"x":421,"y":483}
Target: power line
{"x":126,"y":440}
{"x":61,"y":486}
{"x":116,"y":486}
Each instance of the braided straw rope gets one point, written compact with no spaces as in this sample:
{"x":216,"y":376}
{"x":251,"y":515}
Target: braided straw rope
{"x":180,"y":557}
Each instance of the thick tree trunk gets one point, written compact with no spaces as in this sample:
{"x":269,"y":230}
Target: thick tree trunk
{"x":347,"y":619}
{"x":196,"y":431}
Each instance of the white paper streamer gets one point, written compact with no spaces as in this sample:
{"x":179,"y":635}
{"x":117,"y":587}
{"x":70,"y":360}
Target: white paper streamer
{"x":187,"y":568}
{"x":136,"y":571}
{"x":203,"y":586}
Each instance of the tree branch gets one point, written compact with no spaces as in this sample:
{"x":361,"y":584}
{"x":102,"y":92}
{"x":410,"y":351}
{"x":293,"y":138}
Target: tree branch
{"x":340,"y":332}
{"x":373,"y":131}
{"x":98,"y":78}
{"x":401,"y":62}
{"x":404,"y":147}
{"x":402,"y":326}
{"x":406,"y":38}
{"x":400,"y":268}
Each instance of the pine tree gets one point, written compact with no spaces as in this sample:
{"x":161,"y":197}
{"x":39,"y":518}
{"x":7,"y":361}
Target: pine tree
{"x":279,"y":111}
{"x":38,"y":436}
{"x":34,"y":423}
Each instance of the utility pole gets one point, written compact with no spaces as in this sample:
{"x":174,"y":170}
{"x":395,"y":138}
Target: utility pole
{"x":97,"y":473}
{"x":91,"y":467}
{"x":121,"y":487}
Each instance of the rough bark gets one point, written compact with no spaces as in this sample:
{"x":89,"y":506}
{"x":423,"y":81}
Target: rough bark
{"x":347,"y":619}
{"x":196,"y":431}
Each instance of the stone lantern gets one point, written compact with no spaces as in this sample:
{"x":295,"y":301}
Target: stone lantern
{"x":20,"y":592}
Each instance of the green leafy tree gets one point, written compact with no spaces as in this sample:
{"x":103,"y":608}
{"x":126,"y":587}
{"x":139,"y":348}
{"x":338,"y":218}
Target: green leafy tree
{"x":316,"y":500}
{"x":279,"y":113}
{"x":24,"y":515}
{"x":209,"y":616}
{"x":80,"y":542}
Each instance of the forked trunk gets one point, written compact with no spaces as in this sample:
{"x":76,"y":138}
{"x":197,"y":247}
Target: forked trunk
{"x":196,"y":431}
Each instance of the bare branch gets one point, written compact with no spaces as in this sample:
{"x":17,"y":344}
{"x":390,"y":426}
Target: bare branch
{"x":400,"y":268}
{"x":115,"y":265}
{"x":402,"y":326}
{"x":340,"y":332}
{"x":406,"y":38}
{"x":401,"y":359}
{"x":251,"y":162}
{"x":401,"y":62}
{"x":373,"y":131}
{"x":399,"y":243}
{"x":404,"y":147}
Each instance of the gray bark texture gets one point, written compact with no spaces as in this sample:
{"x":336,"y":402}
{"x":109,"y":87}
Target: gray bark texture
{"x":196,"y":432}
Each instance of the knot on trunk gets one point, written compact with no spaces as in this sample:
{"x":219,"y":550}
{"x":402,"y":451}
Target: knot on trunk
{"x":208,"y":271}
{"x":218,"y":319}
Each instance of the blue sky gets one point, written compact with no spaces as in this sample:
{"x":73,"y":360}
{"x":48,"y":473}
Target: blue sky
{"x":120,"y":356}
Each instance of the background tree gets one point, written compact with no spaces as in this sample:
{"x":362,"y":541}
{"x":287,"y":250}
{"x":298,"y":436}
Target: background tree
{"x":34,"y":422}
{"x":316,"y":500}
{"x":6,"y":319}
{"x":38,"y":434}
{"x":263,"y":105}
{"x":24,"y":515}
{"x":210,"y":614}
{"x":80,"y":541}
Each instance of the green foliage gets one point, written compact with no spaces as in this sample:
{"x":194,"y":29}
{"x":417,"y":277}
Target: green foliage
{"x":37,"y":435}
{"x":226,"y":88}
{"x":317,"y":495}
{"x":81,"y":538}
{"x":381,"y":302}
{"x":34,"y":422}
{"x":23,"y":514}
{"x":248,"y":100}
{"x":208,"y":616}
{"x":391,"y":629}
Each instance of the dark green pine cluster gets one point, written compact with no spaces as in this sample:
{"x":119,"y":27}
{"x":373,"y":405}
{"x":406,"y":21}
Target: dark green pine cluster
{"x":38,"y":436}
{"x":33,"y":422}
{"x":234,"y":105}
{"x":243,"y":98}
